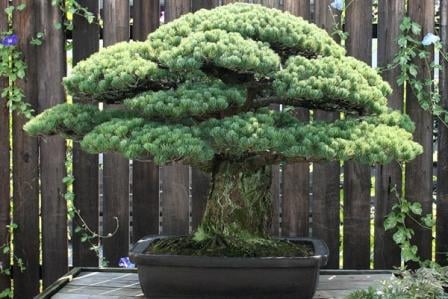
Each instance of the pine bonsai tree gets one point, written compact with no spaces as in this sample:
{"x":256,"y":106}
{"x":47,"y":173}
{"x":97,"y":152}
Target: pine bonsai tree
{"x":200,"y":91}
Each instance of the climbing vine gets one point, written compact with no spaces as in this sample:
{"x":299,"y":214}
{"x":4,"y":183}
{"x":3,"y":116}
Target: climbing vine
{"x":397,"y":221}
{"x":413,"y":53}
{"x":13,"y":68}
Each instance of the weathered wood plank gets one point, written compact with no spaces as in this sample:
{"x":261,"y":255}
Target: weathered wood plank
{"x":5,"y":169}
{"x":356,"y":176}
{"x":145,"y":175}
{"x":298,"y":7}
{"x":176,"y":8}
{"x":390,"y":15}
{"x":296,"y":177}
{"x":275,"y":191}
{"x":418,"y":181}
{"x":25,"y":161}
{"x":175,"y":178}
{"x":442,"y":159}
{"x":85,"y":166}
{"x":200,"y":181}
{"x":52,"y":149}
{"x":326,"y":175}
{"x":116,"y":168}
{"x":207,"y":4}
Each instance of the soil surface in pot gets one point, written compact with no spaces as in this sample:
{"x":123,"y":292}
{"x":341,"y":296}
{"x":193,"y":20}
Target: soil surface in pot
{"x":251,"y":247}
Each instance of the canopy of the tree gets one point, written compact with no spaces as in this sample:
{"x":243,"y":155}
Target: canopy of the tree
{"x":208,"y":85}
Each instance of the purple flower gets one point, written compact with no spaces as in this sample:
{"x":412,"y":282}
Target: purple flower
{"x":430,"y":39}
{"x":337,"y":4}
{"x":125,"y":263}
{"x":9,"y":40}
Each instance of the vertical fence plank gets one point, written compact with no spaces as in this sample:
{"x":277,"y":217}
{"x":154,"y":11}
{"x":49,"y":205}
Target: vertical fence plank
{"x":200,"y":181}
{"x":5,"y":281}
{"x":356,"y":176}
{"x":175,"y":178}
{"x":145,"y":175}
{"x":298,"y":7}
{"x":85,"y":166}
{"x":52,"y":149}
{"x":390,"y":15}
{"x":442,"y":161}
{"x":326,"y":175}
{"x":25,"y":162}
{"x":296,"y":177}
{"x":207,"y":4}
{"x":418,"y":181}
{"x":116,"y":168}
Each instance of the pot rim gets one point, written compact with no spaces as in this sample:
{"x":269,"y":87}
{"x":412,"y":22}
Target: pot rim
{"x":139,"y":257}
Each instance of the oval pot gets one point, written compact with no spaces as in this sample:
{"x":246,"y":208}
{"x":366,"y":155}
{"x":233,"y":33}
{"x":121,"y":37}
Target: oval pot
{"x":202,"y":277}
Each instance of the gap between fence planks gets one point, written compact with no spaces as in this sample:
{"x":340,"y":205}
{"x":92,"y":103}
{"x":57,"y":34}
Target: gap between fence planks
{"x":442,"y":161}
{"x":357,"y":176}
{"x":85,"y":166}
{"x":116,"y":167}
{"x":390,"y":16}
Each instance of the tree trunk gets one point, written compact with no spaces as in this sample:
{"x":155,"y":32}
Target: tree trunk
{"x":239,"y":202}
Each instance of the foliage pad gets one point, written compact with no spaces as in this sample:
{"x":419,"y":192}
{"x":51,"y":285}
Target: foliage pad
{"x":200,"y":91}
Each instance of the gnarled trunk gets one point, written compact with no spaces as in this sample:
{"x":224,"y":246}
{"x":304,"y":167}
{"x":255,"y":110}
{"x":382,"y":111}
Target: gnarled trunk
{"x":239,"y":202}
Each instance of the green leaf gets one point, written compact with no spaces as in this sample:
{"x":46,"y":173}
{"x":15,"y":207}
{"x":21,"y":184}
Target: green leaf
{"x":21,"y":6}
{"x":416,"y":208}
{"x":390,"y":222}
{"x":9,"y":10}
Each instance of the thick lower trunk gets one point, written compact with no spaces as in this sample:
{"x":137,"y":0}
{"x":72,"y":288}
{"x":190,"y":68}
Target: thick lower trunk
{"x":239,"y":202}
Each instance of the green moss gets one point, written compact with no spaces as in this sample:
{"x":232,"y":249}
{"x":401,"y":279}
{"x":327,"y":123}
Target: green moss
{"x":230,"y":247}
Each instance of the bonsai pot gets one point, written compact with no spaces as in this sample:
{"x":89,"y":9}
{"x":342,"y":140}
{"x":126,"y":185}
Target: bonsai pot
{"x":202,"y":277}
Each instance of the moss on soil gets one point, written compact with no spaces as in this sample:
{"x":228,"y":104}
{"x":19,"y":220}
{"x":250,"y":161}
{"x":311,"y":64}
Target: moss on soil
{"x":218,"y":246}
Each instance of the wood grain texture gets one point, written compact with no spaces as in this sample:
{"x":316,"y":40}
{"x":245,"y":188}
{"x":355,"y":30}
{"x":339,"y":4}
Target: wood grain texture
{"x":207,"y":4}
{"x":25,"y":161}
{"x":326,"y":175}
{"x":145,"y":175}
{"x":390,"y":15}
{"x":176,"y":8}
{"x":296,"y":177}
{"x":442,"y":161}
{"x":116,"y":168}
{"x":175,"y":199}
{"x":52,"y":149}
{"x":300,"y":8}
{"x":175,"y":196}
{"x":5,"y":167}
{"x":418,"y":181}
{"x":146,"y":14}
{"x":85,"y":166}
{"x":356,"y":176}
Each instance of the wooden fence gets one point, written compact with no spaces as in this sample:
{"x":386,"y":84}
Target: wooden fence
{"x":325,"y":200}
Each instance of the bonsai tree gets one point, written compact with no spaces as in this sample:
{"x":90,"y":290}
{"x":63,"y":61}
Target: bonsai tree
{"x":200,"y":91}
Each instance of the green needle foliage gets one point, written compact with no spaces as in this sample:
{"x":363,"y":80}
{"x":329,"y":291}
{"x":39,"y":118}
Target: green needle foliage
{"x":200,"y":91}
{"x":201,"y":86}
